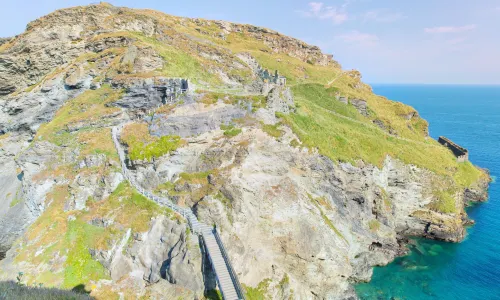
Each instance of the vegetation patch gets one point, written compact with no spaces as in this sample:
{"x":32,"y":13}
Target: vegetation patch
{"x":259,"y":292}
{"x":80,"y":267}
{"x":230,"y":130}
{"x":374,"y":225}
{"x":344,"y":138}
{"x":444,"y":201}
{"x":15,"y":202}
{"x":273,"y":130}
{"x":88,"y":107}
{"x":97,"y":141}
{"x":209,"y":98}
{"x":143,"y":146}
{"x":317,"y":202}
{"x":180,"y":61}
{"x":199,"y":177}
{"x":57,"y":233}
{"x":294,"y":143}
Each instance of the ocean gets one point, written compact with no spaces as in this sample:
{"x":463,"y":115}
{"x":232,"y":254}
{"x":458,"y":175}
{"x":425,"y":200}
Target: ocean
{"x":470,"y":116}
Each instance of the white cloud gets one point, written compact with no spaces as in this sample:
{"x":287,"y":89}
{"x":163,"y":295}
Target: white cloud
{"x":450,"y":29}
{"x":320,"y":11}
{"x":356,"y":37}
{"x":383,"y":16}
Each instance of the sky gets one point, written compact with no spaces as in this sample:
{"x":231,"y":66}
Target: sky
{"x":388,"y":41}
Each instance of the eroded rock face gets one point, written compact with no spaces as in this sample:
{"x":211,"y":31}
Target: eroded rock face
{"x":167,"y":251}
{"x":280,"y":99}
{"x":150,"y":93}
{"x":196,"y":120}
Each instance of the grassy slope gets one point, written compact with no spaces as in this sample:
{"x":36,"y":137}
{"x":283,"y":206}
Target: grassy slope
{"x":317,"y":121}
{"x":58,"y":235}
{"x":336,"y":130}
{"x":143,"y":146}
{"x":355,"y":137}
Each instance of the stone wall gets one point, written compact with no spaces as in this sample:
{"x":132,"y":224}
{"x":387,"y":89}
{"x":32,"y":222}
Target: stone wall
{"x":148,"y":93}
{"x":461,"y":153}
{"x":275,"y":78}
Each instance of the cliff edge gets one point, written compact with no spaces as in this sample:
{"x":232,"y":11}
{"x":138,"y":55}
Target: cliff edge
{"x":310,"y":177}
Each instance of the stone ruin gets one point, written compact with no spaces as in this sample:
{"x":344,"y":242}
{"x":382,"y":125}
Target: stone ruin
{"x":170,"y":88}
{"x":151,"y":93}
{"x":461,"y":153}
{"x":269,"y":77}
{"x":360,"y":104}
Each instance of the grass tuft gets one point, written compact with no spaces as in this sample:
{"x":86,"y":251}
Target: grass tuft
{"x":143,"y":146}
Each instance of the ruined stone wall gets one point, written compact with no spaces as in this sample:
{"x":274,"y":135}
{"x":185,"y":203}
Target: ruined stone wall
{"x":150,"y":93}
{"x":275,"y":78}
{"x":461,"y":153}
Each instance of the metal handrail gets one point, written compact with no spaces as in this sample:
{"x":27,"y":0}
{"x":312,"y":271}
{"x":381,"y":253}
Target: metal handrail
{"x":232,"y":273}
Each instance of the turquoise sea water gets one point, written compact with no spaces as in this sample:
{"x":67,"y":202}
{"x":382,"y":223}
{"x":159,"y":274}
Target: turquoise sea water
{"x":470,"y":116}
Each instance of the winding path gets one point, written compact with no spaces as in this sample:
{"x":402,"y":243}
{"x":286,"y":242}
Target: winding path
{"x":226,"y":277}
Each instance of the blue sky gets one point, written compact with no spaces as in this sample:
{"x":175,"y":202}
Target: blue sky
{"x":389,"y":41}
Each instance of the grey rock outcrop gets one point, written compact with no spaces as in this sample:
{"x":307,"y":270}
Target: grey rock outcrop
{"x":280,"y":99}
{"x":28,"y":110}
{"x":149,"y":93}
{"x":196,"y":122}
{"x":165,"y":252}
{"x":360,"y":105}
{"x":30,"y":193}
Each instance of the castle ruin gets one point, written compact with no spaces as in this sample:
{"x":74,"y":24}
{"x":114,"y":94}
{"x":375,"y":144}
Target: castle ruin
{"x":269,"y":77}
{"x":461,"y":153}
{"x":169,"y":88}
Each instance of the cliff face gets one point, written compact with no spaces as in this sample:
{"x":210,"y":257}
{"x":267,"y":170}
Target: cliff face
{"x":311,"y":183}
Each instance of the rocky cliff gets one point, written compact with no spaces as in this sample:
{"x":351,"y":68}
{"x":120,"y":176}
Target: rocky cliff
{"x":311,"y":183}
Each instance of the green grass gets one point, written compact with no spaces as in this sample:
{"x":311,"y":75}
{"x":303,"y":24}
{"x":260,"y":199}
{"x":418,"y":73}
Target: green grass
{"x":81,"y":268}
{"x":327,"y":221}
{"x":273,"y":130}
{"x":85,"y":108}
{"x":196,"y":177}
{"x":445,"y":201}
{"x":386,"y":199}
{"x":259,"y":292}
{"x":348,"y":140}
{"x":284,"y":281}
{"x":230,"y":130}
{"x":224,"y":200}
{"x":180,"y":62}
{"x":351,"y":138}
{"x":211,"y":97}
{"x":15,"y":202}
{"x":294,"y":143}
{"x":158,"y":148}
{"x":143,"y":146}
{"x":467,"y":174}
{"x":324,"y":97}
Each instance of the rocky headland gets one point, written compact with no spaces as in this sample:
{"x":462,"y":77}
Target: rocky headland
{"x":311,"y":182}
